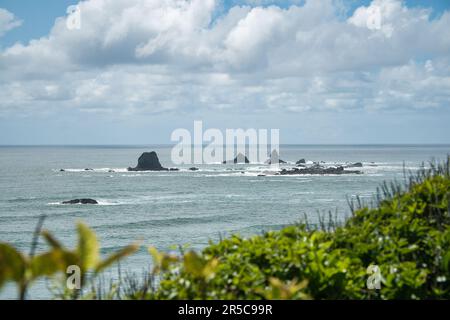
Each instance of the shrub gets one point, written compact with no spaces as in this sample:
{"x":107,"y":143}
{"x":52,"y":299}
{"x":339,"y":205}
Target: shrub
{"x":406,"y":234}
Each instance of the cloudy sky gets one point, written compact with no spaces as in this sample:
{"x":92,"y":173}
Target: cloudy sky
{"x":321,"y":71}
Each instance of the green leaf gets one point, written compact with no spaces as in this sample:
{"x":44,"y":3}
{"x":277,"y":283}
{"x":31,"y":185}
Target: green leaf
{"x":162,"y":261}
{"x":194,"y":264}
{"x":51,"y":240}
{"x":128,"y":250}
{"x":12,"y":264}
{"x":88,"y":247}
{"x":49,"y":263}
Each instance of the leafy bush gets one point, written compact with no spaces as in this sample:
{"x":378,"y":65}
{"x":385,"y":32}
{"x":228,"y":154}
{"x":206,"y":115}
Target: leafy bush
{"x":407,"y":234}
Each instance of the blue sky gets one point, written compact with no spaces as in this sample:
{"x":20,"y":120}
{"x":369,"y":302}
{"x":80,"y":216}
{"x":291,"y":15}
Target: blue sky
{"x":138,"y":69}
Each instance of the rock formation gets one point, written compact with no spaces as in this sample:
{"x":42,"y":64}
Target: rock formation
{"x":318,"y":169}
{"x":274,"y":157}
{"x":240,"y":158}
{"x":148,"y":161}
{"x":81,"y":201}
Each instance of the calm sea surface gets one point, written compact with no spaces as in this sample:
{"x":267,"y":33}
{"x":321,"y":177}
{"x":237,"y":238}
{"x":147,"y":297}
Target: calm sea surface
{"x":172,"y":208}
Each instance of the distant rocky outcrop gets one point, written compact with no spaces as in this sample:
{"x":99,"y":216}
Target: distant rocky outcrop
{"x":274,"y":157}
{"x":148,"y":161}
{"x":80,"y":201}
{"x":301,"y":161}
{"x":240,"y":158}
{"x":318,"y":169}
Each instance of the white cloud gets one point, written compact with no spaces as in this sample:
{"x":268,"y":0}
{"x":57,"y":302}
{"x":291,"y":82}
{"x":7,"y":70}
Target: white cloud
{"x":137,"y":56}
{"x":8,"y":21}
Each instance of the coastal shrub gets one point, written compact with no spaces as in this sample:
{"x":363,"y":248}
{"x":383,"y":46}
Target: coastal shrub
{"x":406,"y":235}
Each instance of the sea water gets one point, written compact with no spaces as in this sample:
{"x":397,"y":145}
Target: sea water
{"x":167,"y":209}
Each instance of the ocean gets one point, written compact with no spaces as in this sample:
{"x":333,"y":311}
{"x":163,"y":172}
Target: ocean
{"x":167,"y":209}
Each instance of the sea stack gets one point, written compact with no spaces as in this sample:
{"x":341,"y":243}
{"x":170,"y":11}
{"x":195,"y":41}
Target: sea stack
{"x":240,"y":158}
{"x":148,"y":161}
{"x":274,"y":158}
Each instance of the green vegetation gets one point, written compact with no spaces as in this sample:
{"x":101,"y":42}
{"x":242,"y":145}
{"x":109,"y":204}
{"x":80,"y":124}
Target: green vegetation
{"x":406,"y":232}
{"x":23,"y":270}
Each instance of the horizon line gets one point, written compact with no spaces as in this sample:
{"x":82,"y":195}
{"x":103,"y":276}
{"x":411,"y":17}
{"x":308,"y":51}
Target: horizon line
{"x":224,"y":145}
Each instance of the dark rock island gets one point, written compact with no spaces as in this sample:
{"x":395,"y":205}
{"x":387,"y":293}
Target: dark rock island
{"x":148,"y":161}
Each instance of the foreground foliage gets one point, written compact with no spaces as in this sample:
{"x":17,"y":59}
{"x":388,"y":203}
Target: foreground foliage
{"x":407,"y":234}
{"x":25,"y":269}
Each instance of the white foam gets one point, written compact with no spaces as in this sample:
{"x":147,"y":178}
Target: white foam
{"x":105,"y":170}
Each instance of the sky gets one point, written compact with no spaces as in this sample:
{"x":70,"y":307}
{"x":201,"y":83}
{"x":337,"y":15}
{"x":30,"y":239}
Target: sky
{"x":320,"y":71}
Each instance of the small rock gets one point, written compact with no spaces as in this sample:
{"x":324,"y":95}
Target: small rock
{"x":81,"y":201}
{"x":193,"y":169}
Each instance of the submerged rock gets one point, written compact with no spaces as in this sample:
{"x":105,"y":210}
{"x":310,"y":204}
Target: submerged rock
{"x":81,"y":201}
{"x":148,"y":161}
{"x":88,"y":169}
{"x":194,"y":169}
{"x":174,"y":169}
{"x":62,"y":170}
{"x":240,"y":158}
